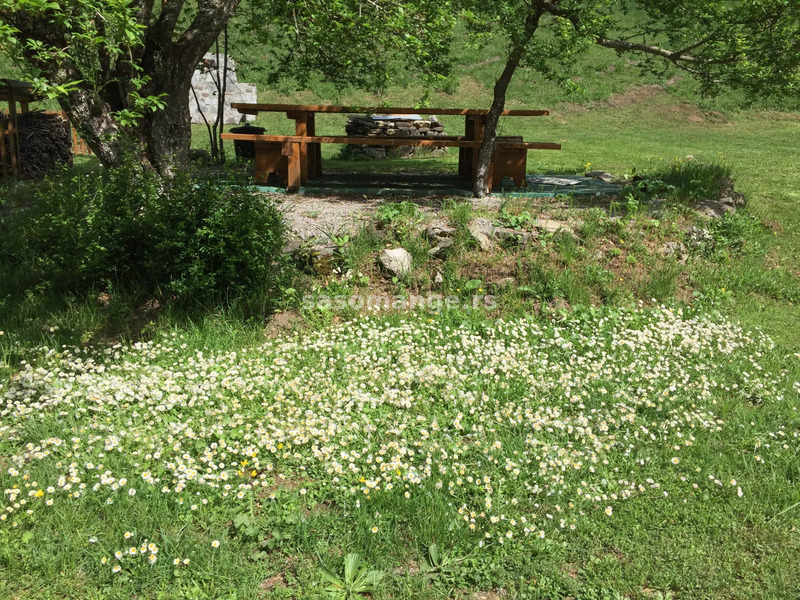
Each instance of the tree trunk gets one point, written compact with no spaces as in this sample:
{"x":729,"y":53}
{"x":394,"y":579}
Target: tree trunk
{"x":481,"y":187}
{"x":166,"y":134}
{"x":93,"y":119}
{"x":163,"y":136}
{"x":164,"y":60}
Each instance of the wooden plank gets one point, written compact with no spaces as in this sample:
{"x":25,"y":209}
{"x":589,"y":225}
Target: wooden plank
{"x":252,"y":109}
{"x":450,"y":142}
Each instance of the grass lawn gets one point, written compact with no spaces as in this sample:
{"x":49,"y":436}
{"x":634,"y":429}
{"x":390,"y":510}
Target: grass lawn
{"x":608,"y":452}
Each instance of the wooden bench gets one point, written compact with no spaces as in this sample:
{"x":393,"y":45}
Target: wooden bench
{"x":283,"y":154}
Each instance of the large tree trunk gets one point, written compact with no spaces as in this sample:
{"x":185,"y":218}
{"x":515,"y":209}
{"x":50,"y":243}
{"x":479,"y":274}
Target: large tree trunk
{"x":166,"y":134}
{"x":166,"y":61}
{"x":162,"y":138}
{"x":481,"y":187}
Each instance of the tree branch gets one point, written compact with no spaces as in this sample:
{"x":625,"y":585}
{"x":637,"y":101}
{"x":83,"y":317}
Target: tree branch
{"x":206,"y":26}
{"x":162,"y":31}
{"x":672,"y":55}
{"x":675,"y":56}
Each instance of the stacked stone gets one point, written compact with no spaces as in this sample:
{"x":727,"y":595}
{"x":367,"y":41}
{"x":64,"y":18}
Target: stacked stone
{"x":205,"y":88}
{"x":393,"y":126}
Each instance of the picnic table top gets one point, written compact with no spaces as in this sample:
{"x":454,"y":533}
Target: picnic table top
{"x":447,"y":141}
{"x":246,"y":108}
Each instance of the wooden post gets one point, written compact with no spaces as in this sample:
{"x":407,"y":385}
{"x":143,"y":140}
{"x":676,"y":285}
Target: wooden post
{"x":294,"y":179}
{"x":314,"y":150}
{"x":13,"y":135}
{"x":479,"y":124}
{"x":300,"y":128}
{"x":468,"y":157}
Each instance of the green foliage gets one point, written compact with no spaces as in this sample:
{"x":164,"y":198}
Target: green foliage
{"x":439,"y":563}
{"x":721,"y":44}
{"x":398,"y":211}
{"x":349,"y":42}
{"x":516,"y":220}
{"x":197,"y":237}
{"x":400,"y":216}
{"x":681,"y":180}
{"x":357,"y":582}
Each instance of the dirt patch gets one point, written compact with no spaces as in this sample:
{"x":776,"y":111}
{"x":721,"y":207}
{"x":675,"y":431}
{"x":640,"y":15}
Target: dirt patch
{"x":282,"y":323}
{"x":635,"y":95}
{"x":489,"y":266}
{"x":276,"y":581}
{"x":311,"y":217}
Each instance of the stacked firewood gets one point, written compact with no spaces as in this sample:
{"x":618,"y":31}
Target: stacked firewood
{"x":44,"y":143}
{"x":393,"y":126}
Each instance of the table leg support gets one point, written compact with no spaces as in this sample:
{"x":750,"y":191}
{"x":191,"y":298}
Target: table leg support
{"x":293,"y":151}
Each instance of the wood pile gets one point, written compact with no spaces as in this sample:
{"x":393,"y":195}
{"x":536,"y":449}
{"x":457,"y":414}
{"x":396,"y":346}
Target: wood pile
{"x":393,"y":126}
{"x":44,"y":143}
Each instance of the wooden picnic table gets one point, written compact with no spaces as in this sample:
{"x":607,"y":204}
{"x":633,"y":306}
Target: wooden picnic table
{"x":310,"y":159}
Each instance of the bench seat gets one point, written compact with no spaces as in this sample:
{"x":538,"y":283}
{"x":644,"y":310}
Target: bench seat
{"x":282,"y":154}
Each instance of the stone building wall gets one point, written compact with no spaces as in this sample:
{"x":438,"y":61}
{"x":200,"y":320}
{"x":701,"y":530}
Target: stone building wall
{"x":203,"y":83}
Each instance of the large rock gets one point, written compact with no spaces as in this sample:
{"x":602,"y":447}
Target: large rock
{"x":439,"y":230}
{"x":396,"y":261}
{"x":482,"y":231}
{"x":715,"y":209}
{"x":513,"y":236}
{"x":552,"y":226}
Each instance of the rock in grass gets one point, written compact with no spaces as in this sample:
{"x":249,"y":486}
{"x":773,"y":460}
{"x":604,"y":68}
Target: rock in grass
{"x":601,"y":175}
{"x":482,"y":231}
{"x":439,"y":230}
{"x":442,"y":248}
{"x":697,"y":236}
{"x":503,"y":282}
{"x":513,"y":236}
{"x":396,"y":261}
{"x":321,"y":258}
{"x":551,"y":226}
{"x":715,"y":209}
{"x":675,"y":249}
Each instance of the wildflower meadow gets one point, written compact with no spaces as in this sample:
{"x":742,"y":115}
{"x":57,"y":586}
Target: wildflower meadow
{"x":160,"y":465}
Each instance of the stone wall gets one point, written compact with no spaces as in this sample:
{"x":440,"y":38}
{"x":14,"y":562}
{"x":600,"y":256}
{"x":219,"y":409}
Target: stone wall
{"x":393,"y":126}
{"x":203,"y":83}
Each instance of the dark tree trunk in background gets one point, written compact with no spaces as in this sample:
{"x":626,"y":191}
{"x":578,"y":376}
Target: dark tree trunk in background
{"x":486,"y":151}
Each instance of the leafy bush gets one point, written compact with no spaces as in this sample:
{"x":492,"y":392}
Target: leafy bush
{"x":196,"y":238}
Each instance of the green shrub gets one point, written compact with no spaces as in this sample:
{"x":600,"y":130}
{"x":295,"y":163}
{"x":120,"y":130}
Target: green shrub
{"x":197,"y":238}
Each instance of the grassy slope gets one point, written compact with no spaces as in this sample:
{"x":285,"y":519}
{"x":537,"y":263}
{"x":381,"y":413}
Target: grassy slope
{"x":636,"y":130}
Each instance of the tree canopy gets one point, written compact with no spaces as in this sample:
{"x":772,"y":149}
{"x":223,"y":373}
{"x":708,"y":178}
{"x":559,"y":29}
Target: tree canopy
{"x":752,"y":45}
